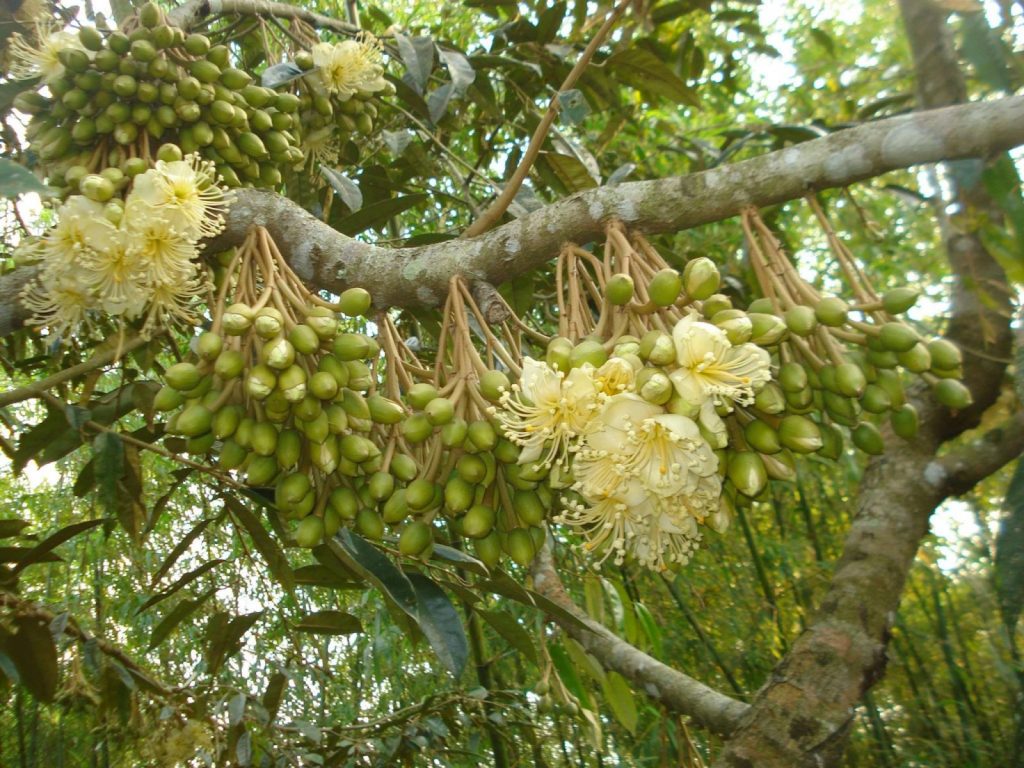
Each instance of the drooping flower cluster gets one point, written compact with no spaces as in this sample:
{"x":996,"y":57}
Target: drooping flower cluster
{"x":133,"y":257}
{"x":641,"y":460}
{"x":350,"y":66}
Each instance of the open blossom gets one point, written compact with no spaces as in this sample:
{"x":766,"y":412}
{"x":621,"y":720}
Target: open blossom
{"x":40,"y":59}
{"x":711,"y":368}
{"x":350,"y":66}
{"x":184,"y":193}
{"x":547,"y":411}
{"x":649,"y":478}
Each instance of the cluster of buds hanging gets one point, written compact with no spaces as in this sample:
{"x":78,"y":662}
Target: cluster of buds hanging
{"x":114,"y":95}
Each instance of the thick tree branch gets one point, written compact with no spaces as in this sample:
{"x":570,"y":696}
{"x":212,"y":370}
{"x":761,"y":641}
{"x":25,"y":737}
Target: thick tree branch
{"x":191,"y":13}
{"x":802,"y":715}
{"x":418,"y":277}
{"x":677,"y":691}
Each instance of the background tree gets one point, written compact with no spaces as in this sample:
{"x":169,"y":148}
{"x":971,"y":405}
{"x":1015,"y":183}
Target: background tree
{"x":449,"y":184}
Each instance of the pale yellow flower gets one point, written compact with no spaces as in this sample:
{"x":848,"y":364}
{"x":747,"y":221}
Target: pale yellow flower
{"x":350,"y":66}
{"x":184,"y":193}
{"x":58,"y":302}
{"x":163,"y":255}
{"x":40,"y":59}
{"x":115,"y":277}
{"x":547,"y":411}
{"x":174,"y":302}
{"x":80,"y":225}
{"x":615,"y":376}
{"x":711,"y":368}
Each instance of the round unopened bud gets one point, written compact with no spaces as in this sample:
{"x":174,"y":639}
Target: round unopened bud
{"x":440,"y":411}
{"x":897,"y":337}
{"x":304,"y":339}
{"x":237,"y":319}
{"x":945,"y":354}
{"x":875,"y":399}
{"x":268,"y":323}
{"x":766,"y":330}
{"x":831,"y":311}
{"x":478,"y":522}
{"x":493,"y":384}
{"x":917,"y":359}
{"x":715,"y":303}
{"x":182,"y":376}
{"x":801,"y":320}
{"x":588,"y":351}
{"x":654,"y":386}
{"x":194,"y":421}
{"x":453,"y":434}
{"x":229,"y":364}
{"x":415,"y":539}
{"x":310,"y":532}
{"x":952,"y":394}
{"x":292,"y":382}
{"x":619,"y":289}
{"x":761,"y":437}
{"x":904,"y":421}
{"x":737,"y":326}
{"x":665,"y":287}
{"x":278,"y":353}
{"x":701,"y":278}
{"x":209,"y":345}
{"x":850,"y":380}
{"x":899,"y":300}
{"x":747,"y":473}
{"x":323,"y":386}
{"x":417,"y":428}
{"x":657,"y":347}
{"x":404,"y":467}
{"x":559,"y":353}
{"x":420,"y":394}
{"x":351,"y":346}
{"x":770,"y":399}
{"x":868,"y":439}
{"x":384,"y":411}
{"x":323,"y":322}
{"x":793,"y":377}
{"x":355,"y":302}
{"x":799,"y":434}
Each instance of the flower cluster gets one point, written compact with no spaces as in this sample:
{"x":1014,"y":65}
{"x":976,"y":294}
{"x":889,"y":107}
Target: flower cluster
{"x":351,"y":66}
{"x":640,"y":455}
{"x":129,"y":258}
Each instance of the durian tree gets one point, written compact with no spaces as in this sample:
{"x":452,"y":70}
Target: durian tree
{"x":372,"y":296}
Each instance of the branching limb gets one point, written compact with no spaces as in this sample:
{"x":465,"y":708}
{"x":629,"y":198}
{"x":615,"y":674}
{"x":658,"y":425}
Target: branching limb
{"x":677,"y":691}
{"x":193,"y":12}
{"x":418,"y":277}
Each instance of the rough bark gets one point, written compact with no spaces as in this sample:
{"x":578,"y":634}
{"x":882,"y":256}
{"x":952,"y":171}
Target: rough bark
{"x":802,"y":716}
{"x":418,"y":277}
{"x":679,"y":692}
{"x":192,"y":13}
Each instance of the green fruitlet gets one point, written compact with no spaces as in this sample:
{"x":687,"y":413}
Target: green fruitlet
{"x":415,"y":538}
{"x":619,"y":289}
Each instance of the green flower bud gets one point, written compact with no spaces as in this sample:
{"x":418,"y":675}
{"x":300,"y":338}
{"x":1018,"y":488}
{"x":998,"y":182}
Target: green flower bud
{"x":781,"y":466}
{"x":454,"y":434}
{"x":770,"y":399}
{"x":793,"y":377}
{"x":440,"y":411}
{"x":945,"y":354}
{"x":308,"y":408}
{"x":831,"y":311}
{"x":619,"y":289}
{"x":917,"y":359}
{"x":289,"y":448}
{"x":317,"y":429}
{"x":358,"y":449}
{"x":761,"y":437}
{"x":904,"y":421}
{"x":588,"y":351}
{"x":417,"y":428}
{"x":323,"y":322}
{"x":310,"y":532}
{"x":714,"y":304}
{"x":337,"y":419}
{"x":325,"y":455}
{"x":420,"y":394}
{"x":292,"y":382}
{"x":952,"y":394}
{"x":850,"y":380}
{"x":897,"y":337}
{"x":370,"y":524}
{"x":415,"y":539}
{"x":344,"y":501}
{"x":167,"y":399}
{"x":654,"y":386}
{"x":226,"y":421}
{"x":458,"y":494}
{"x":875,"y":399}
{"x":237,"y":319}
{"x":260,"y":382}
{"x":194,"y":421}
{"x":481,"y":436}
{"x":520,"y":546}
{"x":268,"y":323}
{"x":747,"y":473}
{"x":278,"y":354}
{"x":323,"y":385}
{"x":559,"y":353}
{"x":304,"y":339}
{"x":766,"y":330}
{"x":899,"y":300}
{"x":701,"y":278}
{"x":868,"y":439}
{"x":261,"y":471}
{"x":665,"y":287}
{"x":183,"y":377}
{"x":355,"y":302}
{"x":737,"y":326}
{"x":492,"y":384}
{"x":658,"y":348}
{"x":264,"y":438}
{"x":800,"y":434}
{"x":801,"y":320}
{"x":232,"y":456}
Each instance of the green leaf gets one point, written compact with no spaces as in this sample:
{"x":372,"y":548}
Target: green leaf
{"x":330,"y":623}
{"x":986,"y":52}
{"x":573,"y":106}
{"x":322,"y":576}
{"x":18,"y":180}
{"x":644,"y":71}
{"x":179,"y":548}
{"x":506,"y":625}
{"x":55,"y":540}
{"x":459,"y":68}
{"x":651,"y":629}
{"x":458,"y":557}
{"x":184,"y":581}
{"x":346,"y":189}
{"x":265,"y":544}
{"x":10,"y":527}
{"x":376,"y":567}
{"x":108,"y":452}
{"x":224,"y":637}
{"x":34,"y":654}
{"x":181,"y":611}
{"x":568,"y":675}
{"x":280,"y":74}
{"x":620,"y":699}
{"x":441,"y":624}
{"x":377,"y":214}
{"x":1009,"y":560}
{"x":274,"y":694}
{"x":570,"y":171}
{"x":418,"y":56}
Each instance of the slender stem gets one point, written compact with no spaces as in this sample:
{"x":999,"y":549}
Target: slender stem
{"x":497,"y":209}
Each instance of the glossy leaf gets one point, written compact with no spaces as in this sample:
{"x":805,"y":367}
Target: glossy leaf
{"x":17,"y":180}
{"x":330,"y":623}
{"x":441,"y":624}
{"x":506,"y":625}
